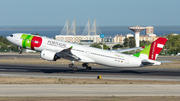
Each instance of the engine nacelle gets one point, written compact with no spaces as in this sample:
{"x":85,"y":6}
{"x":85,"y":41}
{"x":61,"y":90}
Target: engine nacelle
{"x":49,"y":55}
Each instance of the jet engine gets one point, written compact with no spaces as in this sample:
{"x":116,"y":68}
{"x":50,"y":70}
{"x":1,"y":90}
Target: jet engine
{"x":49,"y":55}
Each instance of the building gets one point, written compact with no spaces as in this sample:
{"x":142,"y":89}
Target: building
{"x":108,"y":39}
{"x":129,"y":35}
{"x":149,"y":30}
{"x":137,"y":29}
{"x":78,"y":38}
{"x":149,"y":37}
{"x":119,"y":38}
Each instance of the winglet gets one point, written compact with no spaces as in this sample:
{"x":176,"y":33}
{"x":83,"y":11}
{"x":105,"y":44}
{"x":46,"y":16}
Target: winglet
{"x":144,"y":46}
{"x":70,"y":48}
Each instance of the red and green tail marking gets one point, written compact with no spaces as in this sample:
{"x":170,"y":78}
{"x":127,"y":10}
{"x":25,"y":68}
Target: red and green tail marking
{"x":153,"y":50}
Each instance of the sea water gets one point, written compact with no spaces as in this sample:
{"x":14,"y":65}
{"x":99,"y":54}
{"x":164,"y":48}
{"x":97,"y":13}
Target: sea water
{"x":109,"y":31}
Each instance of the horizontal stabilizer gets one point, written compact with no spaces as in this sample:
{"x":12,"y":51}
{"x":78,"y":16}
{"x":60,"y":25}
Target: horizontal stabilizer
{"x":148,"y":62}
{"x":165,"y":61}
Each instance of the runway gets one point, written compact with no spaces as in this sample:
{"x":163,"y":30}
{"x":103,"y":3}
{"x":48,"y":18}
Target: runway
{"x":14,"y":55}
{"x":57,"y":90}
{"x":37,"y":55}
{"x":63,"y":71}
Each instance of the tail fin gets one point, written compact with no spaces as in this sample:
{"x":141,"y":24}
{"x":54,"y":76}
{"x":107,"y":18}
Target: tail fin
{"x":153,"y":50}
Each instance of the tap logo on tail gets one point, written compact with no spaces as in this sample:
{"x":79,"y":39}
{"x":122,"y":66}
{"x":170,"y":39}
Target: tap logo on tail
{"x":153,"y":50}
{"x":31,"y":41}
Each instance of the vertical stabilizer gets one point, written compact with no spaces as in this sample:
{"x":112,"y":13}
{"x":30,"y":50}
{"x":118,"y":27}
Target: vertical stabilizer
{"x":153,"y":50}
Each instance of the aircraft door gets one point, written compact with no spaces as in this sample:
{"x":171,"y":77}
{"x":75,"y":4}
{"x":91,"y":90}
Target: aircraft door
{"x":127,"y":60}
{"x":89,"y":52}
{"x":44,"y":43}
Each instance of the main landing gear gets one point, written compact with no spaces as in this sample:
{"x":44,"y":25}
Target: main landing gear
{"x":87,"y":66}
{"x":71,"y":65}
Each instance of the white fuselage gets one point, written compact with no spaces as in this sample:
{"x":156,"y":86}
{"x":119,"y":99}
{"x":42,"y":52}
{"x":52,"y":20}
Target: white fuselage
{"x":85,"y":53}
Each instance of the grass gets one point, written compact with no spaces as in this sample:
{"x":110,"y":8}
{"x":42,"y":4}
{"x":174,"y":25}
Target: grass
{"x":36,"y":80}
{"x":49,"y":80}
{"x":31,"y":80}
{"x":112,"y":98}
{"x":173,"y":64}
{"x":37,"y":61}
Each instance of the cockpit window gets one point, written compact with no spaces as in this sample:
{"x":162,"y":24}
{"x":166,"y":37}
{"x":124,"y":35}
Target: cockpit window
{"x":11,"y":35}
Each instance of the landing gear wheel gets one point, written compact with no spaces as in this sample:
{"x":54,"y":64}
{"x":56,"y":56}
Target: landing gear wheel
{"x":71,"y":65}
{"x":85,"y":64}
{"x":19,"y":52}
{"x":88,"y":68}
{"x":75,"y":68}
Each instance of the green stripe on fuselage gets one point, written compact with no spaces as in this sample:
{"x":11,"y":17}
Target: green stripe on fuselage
{"x":26,"y":40}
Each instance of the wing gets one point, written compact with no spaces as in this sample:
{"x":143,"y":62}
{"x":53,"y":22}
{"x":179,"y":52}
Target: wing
{"x":67,"y":54}
{"x":53,"y":55}
{"x":125,"y":50}
{"x":56,"y":54}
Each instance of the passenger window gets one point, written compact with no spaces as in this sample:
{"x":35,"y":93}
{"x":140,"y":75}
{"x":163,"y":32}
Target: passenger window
{"x":11,"y":35}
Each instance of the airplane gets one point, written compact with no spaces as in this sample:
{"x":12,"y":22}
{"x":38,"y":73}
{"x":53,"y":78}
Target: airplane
{"x":52,"y":50}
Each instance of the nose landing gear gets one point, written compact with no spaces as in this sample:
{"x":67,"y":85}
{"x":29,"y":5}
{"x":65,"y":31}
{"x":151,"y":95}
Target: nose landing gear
{"x":20,"y":50}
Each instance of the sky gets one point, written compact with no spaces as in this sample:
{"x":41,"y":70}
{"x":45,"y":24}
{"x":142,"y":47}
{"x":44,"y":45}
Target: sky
{"x":106,"y":12}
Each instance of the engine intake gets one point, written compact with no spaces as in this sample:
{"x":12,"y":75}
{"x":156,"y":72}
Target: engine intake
{"x":49,"y":55}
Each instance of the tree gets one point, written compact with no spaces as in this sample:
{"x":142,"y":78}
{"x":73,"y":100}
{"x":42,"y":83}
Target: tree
{"x":5,"y":41}
{"x":96,"y":45}
{"x":132,"y":42}
{"x":144,"y":43}
{"x":126,"y":42}
{"x":1,"y":38}
{"x":14,"y":48}
{"x":35,"y":34}
{"x":173,"y":43}
{"x":105,"y":47}
{"x":117,"y":46}
{"x":1,"y":43}
{"x":4,"y":48}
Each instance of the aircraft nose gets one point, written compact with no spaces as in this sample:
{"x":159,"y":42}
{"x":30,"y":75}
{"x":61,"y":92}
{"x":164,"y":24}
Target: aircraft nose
{"x":8,"y":37}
